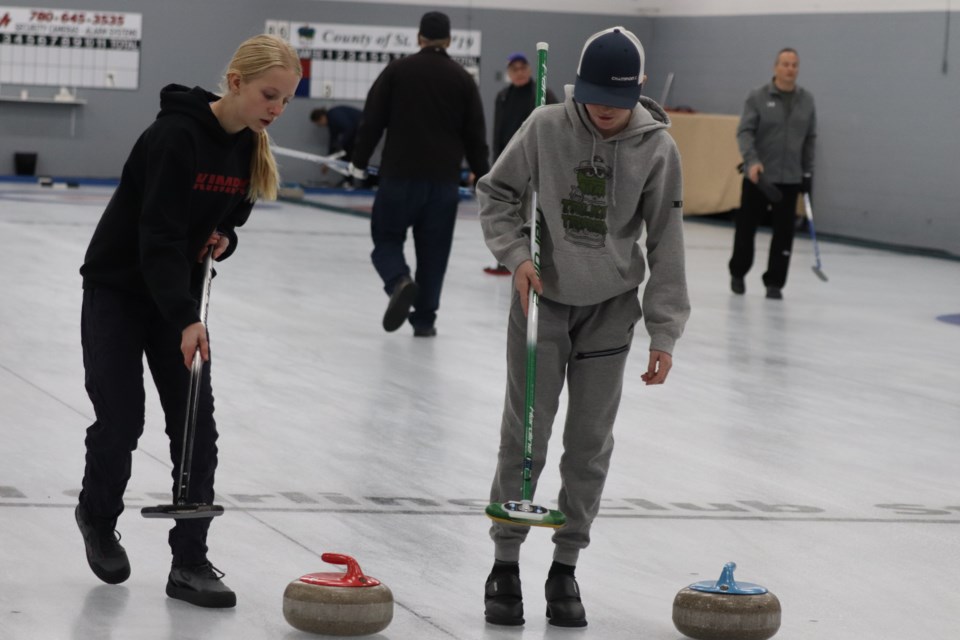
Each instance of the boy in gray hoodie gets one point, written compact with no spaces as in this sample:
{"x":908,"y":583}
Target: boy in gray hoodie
{"x":604,"y":168}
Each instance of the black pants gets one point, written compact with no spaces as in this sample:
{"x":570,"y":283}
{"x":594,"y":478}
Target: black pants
{"x":430,"y":209}
{"x":117,"y":329}
{"x":753,"y":207}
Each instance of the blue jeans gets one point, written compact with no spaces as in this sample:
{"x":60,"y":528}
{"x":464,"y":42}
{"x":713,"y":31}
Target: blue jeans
{"x":430,"y":209}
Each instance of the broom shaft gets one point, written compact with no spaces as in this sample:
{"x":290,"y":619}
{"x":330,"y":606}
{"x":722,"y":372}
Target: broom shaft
{"x":533,"y":307}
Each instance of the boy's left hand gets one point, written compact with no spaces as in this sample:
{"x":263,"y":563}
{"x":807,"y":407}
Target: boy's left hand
{"x":658,"y":368}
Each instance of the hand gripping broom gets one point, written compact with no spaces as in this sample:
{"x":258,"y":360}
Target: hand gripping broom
{"x":181,"y":509}
{"x":524,"y":512}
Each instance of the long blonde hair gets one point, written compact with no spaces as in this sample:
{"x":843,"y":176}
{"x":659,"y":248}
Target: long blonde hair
{"x":254,"y":56}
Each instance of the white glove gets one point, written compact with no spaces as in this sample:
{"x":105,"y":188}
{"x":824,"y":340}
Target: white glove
{"x":355,"y":172}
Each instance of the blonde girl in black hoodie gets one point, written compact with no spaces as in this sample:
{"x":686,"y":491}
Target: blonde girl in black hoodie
{"x":191,"y":179}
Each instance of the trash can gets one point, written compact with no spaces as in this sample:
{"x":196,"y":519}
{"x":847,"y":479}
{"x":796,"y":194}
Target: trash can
{"x":25,"y":164}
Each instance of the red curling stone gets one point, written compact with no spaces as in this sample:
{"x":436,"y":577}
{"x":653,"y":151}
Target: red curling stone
{"x":338,"y":604}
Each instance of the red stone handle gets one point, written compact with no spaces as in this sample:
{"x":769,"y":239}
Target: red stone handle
{"x":353,"y":577}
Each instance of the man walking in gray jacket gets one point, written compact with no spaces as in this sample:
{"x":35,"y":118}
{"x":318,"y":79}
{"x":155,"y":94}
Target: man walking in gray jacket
{"x":776,"y":137}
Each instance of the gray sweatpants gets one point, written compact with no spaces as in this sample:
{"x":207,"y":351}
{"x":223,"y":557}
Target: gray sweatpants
{"x":587,"y":346}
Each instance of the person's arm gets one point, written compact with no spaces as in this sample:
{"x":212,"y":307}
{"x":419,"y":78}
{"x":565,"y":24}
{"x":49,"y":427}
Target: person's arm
{"x":809,"y":142}
{"x":497,"y":124}
{"x":666,"y":305}
{"x":746,"y":137}
{"x":500,"y":194}
{"x":333,"y":135}
{"x":376,"y":113}
{"x":474,"y":131}
{"x":164,"y":241}
{"x":237,"y":218}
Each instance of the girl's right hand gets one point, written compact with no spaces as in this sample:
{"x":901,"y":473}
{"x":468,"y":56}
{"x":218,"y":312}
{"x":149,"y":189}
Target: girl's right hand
{"x":192,"y":338}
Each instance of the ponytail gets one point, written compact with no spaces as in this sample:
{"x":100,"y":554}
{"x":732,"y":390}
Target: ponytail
{"x":255,"y":56}
{"x":264,"y":176}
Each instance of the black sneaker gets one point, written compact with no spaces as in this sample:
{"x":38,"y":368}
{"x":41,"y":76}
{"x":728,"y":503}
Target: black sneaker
{"x":564,"y":608}
{"x":503,"y":600}
{"x":106,"y":557}
{"x":200,"y":585}
{"x":773,"y":293}
{"x":403,"y":296}
{"x":738,"y":286}
{"x":424,"y":332}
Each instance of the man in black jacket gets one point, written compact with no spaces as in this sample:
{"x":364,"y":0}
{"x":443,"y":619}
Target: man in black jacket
{"x":513,"y":104}
{"x":431,"y":109}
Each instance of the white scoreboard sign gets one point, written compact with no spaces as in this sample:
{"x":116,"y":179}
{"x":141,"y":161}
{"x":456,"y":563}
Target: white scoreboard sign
{"x":341,"y":61}
{"x":70,"y":47}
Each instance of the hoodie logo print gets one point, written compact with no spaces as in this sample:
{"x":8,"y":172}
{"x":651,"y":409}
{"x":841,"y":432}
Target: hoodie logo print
{"x":230,"y":185}
{"x":584,"y":212}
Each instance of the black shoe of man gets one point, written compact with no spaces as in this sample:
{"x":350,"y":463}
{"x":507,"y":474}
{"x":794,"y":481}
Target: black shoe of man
{"x":200,"y":585}
{"x":773,"y":293}
{"x":564,"y":608}
{"x":503,"y":600}
{"x":398,"y":309}
{"x":738,"y":286}
{"x":105,"y":555}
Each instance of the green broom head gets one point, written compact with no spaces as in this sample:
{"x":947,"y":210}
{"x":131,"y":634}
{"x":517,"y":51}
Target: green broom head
{"x":525,"y":514}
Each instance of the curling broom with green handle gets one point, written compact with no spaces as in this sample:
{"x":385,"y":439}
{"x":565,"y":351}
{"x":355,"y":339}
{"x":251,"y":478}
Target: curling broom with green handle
{"x":524,"y":512}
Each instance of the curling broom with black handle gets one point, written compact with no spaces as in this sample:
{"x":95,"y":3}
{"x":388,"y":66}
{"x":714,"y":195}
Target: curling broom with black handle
{"x":181,"y":509}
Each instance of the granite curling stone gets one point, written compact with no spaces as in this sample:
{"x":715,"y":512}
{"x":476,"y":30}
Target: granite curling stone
{"x":726,"y":610}
{"x":338,"y":604}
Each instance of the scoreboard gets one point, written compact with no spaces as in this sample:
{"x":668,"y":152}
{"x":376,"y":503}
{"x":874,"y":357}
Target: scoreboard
{"x":70,"y":48}
{"x":341,"y":61}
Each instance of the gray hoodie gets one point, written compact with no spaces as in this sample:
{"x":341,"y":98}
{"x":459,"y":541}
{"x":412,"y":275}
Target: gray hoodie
{"x":595,"y":196}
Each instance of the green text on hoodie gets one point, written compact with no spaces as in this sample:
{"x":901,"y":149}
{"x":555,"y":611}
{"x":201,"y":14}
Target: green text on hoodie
{"x":595,"y":197}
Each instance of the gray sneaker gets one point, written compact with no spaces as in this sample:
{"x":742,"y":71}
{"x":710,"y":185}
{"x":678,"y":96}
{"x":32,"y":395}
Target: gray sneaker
{"x":200,"y":585}
{"x":105,"y":555}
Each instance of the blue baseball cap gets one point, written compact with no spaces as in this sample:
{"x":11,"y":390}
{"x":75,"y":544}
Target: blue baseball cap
{"x":610,"y":70}
{"x":517,"y":57}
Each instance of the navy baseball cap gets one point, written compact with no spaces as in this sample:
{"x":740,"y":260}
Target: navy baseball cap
{"x":610,"y":70}
{"x":517,"y":57}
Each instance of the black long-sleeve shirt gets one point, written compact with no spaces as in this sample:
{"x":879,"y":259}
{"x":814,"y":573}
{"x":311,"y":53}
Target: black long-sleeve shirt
{"x":184,"y":179}
{"x":511,"y":108}
{"x":431,"y":110}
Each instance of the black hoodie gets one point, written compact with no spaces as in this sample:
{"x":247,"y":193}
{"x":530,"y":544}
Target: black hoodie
{"x":185,"y":178}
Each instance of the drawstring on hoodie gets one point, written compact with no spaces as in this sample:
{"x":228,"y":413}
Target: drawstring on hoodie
{"x":613,"y":168}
